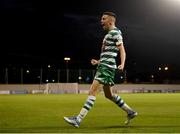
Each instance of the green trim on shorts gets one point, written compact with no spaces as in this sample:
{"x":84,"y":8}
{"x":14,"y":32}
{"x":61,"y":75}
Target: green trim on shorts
{"x":105,"y":75}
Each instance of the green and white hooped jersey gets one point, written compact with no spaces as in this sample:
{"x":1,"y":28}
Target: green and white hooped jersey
{"x":109,"y":48}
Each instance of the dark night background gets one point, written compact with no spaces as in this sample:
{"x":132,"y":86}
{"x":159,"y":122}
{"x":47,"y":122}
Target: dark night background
{"x":38,"y":33}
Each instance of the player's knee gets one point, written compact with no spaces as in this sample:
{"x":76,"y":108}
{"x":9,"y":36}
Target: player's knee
{"x":91,"y":93}
{"x":108,"y":97}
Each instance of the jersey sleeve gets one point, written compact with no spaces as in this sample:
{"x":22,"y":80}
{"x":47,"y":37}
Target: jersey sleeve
{"x":118,"y":39}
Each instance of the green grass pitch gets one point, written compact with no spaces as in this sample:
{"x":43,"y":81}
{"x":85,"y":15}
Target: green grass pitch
{"x":158,"y":113}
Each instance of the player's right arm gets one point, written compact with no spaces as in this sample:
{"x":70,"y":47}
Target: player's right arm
{"x":95,"y":62}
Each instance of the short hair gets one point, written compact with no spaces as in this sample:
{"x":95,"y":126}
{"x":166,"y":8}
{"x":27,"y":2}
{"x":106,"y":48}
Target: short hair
{"x":110,"y":14}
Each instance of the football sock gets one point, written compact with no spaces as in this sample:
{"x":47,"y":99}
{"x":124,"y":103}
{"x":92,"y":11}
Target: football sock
{"x":87,"y":106}
{"x":120,"y":102}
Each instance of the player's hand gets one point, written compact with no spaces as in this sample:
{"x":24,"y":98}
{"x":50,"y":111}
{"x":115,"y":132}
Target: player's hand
{"x":94,"y":62}
{"x":121,"y":67}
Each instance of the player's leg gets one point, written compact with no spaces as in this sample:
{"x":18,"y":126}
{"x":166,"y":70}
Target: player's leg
{"x":75,"y":121}
{"x":120,"y":102}
{"x":90,"y":100}
{"x":108,"y":92}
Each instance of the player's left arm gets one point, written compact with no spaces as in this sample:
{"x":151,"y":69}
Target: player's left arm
{"x":122,"y":56}
{"x":120,"y":45}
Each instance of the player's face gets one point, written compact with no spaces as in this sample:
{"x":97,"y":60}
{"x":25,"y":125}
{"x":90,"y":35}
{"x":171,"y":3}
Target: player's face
{"x":105,"y":21}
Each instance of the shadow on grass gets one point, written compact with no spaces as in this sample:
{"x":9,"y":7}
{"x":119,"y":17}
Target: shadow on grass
{"x":160,"y":126}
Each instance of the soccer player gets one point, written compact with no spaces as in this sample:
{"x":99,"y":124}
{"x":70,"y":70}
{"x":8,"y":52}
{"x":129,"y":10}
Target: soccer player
{"x":112,"y":44}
